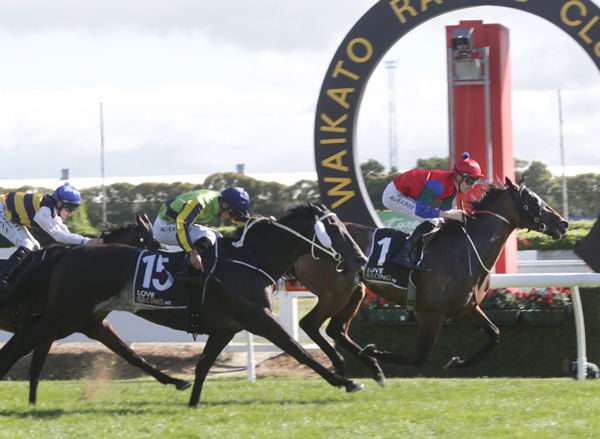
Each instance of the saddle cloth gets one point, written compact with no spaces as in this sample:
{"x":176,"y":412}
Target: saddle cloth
{"x":380,"y":268}
{"x":154,"y":283}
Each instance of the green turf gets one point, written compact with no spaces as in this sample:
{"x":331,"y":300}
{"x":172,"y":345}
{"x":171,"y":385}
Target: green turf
{"x":305,"y":408}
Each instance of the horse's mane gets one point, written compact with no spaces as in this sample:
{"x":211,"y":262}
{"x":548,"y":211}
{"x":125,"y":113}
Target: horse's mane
{"x":490,"y":194}
{"x":108,"y":229}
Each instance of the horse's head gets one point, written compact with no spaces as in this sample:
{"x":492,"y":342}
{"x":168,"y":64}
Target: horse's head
{"x":136,"y":235}
{"x":332,"y":233}
{"x":534,"y":213}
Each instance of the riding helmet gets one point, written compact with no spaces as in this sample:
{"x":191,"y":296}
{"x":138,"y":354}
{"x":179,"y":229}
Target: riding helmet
{"x":468,"y":166}
{"x":238,"y":199}
{"x":67,"y":194}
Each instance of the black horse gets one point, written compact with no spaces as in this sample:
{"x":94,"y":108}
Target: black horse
{"x":29,"y":291}
{"x":90,"y":281}
{"x":457,"y":262}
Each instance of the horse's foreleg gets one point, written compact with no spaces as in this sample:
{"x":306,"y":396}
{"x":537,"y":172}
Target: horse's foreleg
{"x":338,"y":330}
{"x":261,"y":321}
{"x":40,"y":353}
{"x":20,"y":344}
{"x":213,"y":347}
{"x":478,"y":319}
{"x":429,"y":329}
{"x":104,"y":333}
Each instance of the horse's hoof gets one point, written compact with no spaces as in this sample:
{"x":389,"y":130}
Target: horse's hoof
{"x":452,"y":363}
{"x":367,"y":350}
{"x":380,"y":379}
{"x":182,"y":384}
{"x":353,"y":386}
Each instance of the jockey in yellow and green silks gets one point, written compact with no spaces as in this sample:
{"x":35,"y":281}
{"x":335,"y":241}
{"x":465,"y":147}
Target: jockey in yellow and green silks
{"x":181,"y":220}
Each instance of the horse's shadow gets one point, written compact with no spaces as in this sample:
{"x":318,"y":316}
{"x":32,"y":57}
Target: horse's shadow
{"x":162,"y":408}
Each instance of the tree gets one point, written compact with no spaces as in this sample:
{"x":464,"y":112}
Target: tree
{"x":372,"y":168}
{"x":539,"y":179}
{"x":434,"y":163}
{"x":583,"y":195}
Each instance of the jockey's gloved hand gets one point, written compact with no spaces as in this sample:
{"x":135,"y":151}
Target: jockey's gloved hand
{"x":454,"y":214}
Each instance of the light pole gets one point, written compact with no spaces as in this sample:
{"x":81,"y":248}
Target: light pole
{"x":104,"y":219}
{"x":562,"y":160}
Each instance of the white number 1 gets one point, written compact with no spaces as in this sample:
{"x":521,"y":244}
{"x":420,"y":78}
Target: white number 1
{"x":385,"y":247}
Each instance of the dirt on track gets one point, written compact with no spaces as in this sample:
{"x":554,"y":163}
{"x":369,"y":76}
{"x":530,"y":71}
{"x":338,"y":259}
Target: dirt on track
{"x":70,"y":360}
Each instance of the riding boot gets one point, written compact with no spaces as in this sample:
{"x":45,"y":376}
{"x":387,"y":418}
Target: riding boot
{"x":11,"y":264}
{"x":407,"y":256}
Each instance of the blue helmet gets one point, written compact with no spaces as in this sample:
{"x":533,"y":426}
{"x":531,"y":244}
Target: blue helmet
{"x":67,"y":194}
{"x":239,"y":201}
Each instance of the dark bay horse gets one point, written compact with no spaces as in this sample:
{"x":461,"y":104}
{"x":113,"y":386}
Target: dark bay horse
{"x":457,"y":261}
{"x":31,"y":285}
{"x":90,"y":281}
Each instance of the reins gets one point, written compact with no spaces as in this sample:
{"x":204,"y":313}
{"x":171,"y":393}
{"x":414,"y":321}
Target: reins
{"x":330,"y":251}
{"x":497,"y":215}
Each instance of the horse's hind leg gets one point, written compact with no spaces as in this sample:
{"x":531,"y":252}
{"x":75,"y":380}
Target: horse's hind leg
{"x":338,"y":330}
{"x":104,"y":333}
{"x":429,"y":329}
{"x":478,"y":319}
{"x":213,"y":347}
{"x":311,"y":324}
{"x":40,"y":353}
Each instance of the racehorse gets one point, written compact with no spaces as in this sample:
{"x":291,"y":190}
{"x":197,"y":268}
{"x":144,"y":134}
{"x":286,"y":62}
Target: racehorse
{"x":31,"y":286}
{"x":457,"y":263}
{"x":90,"y":281}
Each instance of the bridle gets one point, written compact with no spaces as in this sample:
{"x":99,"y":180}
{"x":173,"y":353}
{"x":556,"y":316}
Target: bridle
{"x":533,"y":212}
{"x":326,"y":248}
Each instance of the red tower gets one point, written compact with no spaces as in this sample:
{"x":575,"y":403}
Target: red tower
{"x":479,"y":91}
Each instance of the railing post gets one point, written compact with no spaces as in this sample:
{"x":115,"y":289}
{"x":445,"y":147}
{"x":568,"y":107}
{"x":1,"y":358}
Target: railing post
{"x":250,"y":363}
{"x":580,"y":332}
{"x":288,"y":313}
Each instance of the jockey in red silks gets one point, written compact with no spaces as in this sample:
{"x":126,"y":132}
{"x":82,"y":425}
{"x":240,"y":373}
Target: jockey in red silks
{"x":428,"y":196}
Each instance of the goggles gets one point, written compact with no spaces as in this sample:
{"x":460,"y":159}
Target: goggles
{"x":470,"y":180}
{"x":70,"y":207}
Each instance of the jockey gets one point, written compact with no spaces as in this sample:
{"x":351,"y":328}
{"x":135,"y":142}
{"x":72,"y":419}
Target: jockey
{"x":20,"y":210}
{"x":428,"y":195}
{"x":175,"y":223}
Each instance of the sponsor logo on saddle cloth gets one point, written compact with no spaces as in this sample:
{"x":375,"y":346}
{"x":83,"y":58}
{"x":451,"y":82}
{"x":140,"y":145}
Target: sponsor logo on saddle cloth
{"x":154,"y":285}
{"x":380,"y":268}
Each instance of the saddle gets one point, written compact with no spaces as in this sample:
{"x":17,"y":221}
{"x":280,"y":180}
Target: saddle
{"x":161,"y":281}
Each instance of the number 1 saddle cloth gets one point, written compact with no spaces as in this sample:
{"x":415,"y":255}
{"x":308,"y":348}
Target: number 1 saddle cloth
{"x":380,"y":268}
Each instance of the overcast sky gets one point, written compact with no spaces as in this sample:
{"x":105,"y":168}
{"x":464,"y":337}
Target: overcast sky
{"x":195,"y":86}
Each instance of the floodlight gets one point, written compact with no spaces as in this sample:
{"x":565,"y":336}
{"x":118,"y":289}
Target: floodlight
{"x":462,"y":42}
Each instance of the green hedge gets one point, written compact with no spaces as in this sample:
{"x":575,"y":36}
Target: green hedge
{"x":525,"y":350}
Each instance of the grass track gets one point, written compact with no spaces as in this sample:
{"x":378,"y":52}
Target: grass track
{"x":305,"y":408}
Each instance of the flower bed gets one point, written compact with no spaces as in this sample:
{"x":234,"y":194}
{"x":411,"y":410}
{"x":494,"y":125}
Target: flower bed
{"x":550,"y":305}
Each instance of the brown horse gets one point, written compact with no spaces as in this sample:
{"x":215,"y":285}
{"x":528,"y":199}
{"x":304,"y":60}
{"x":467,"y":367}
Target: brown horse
{"x":90,"y":281}
{"x":31,"y":286}
{"x":457,"y":262}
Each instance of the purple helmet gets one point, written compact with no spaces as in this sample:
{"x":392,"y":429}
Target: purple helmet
{"x":67,"y":194}
{"x":239,"y":202}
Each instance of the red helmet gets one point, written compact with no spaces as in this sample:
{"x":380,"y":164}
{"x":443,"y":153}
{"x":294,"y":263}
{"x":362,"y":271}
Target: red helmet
{"x":468,"y":166}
